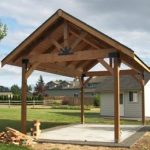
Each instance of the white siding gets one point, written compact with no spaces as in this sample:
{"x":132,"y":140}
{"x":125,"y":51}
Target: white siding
{"x":107,"y":104}
{"x":147,"y":99}
{"x":132,"y":109}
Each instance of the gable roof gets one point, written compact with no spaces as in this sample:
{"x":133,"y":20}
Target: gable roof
{"x":49,"y":36}
{"x":127,"y":83}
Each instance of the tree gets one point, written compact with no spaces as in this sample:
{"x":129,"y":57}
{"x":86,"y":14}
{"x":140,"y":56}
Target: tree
{"x":40,"y":86}
{"x":15,"y":89}
{"x":3,"y":30}
{"x":29,"y":88}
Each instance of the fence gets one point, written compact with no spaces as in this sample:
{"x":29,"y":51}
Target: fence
{"x":51,"y":100}
{"x":18,"y":102}
{"x":66,"y":100}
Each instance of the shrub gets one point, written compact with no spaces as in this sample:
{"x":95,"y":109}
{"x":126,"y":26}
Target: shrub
{"x":40,"y":97}
{"x":71,"y":107}
{"x":97,"y":100}
{"x":65,"y":102}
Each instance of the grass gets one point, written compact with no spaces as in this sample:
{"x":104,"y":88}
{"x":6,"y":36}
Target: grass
{"x":71,"y":107}
{"x":12,"y":147}
{"x":49,"y":118}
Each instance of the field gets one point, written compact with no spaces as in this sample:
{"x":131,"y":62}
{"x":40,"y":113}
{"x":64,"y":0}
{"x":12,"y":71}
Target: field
{"x":49,"y":118}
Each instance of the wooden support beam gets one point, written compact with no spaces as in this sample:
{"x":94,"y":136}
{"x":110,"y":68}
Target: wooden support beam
{"x":87,"y":80}
{"x":116,"y":100}
{"x":30,"y":39}
{"x":143,"y":99}
{"x":85,"y":40}
{"x":82,"y":98}
{"x":24,"y":96}
{"x":107,"y":73}
{"x":78,"y":40}
{"x":80,"y":64}
{"x":58,"y":46}
{"x":76,"y":56}
{"x":106,"y":65}
{"x":141,"y":64}
{"x":111,"y":62}
{"x":99,"y":35}
{"x":31,"y":69}
{"x":59,"y":69}
{"x":89,"y":66}
{"x":131,"y":63}
{"x":66,"y":35}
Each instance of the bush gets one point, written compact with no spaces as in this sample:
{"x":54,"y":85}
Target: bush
{"x":71,"y":107}
{"x":97,"y":100}
{"x":40,"y":97}
{"x":57,"y":103}
{"x":65,"y":102}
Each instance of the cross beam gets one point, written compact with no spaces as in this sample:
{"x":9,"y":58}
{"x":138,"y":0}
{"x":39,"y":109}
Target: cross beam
{"x":76,"y":56}
{"x":107,"y":73}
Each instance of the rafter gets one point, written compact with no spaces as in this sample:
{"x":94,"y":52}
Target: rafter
{"x":106,"y":65}
{"x":78,"y":40}
{"x":66,"y":34}
{"x":58,"y":46}
{"x":131,"y":63}
{"x":85,"y":40}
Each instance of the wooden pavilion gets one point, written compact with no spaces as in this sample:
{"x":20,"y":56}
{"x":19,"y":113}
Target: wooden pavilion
{"x":66,"y":46}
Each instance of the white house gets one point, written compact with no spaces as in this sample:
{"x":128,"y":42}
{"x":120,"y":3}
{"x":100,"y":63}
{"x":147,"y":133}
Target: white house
{"x":130,"y":97}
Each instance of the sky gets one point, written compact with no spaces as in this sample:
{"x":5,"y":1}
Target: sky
{"x":127,"y":21}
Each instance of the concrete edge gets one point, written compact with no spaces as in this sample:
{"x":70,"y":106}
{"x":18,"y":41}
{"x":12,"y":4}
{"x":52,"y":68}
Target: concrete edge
{"x":127,"y":143}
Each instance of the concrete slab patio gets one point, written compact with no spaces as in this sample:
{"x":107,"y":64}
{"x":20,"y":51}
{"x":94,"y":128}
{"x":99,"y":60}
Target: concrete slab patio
{"x":91,"y":134}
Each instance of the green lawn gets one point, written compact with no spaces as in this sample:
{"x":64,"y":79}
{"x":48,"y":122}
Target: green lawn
{"x":12,"y":147}
{"x":49,"y":118}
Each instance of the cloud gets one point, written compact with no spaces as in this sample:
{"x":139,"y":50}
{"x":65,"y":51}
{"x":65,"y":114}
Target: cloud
{"x":126,"y":21}
{"x":12,"y":75}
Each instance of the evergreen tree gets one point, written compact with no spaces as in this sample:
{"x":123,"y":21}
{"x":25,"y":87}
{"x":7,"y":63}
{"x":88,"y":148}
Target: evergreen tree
{"x":15,"y":89}
{"x":29,"y":88}
{"x":40,"y":86}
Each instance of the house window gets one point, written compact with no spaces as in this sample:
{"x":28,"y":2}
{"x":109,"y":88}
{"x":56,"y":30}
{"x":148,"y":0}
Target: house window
{"x":133,"y":97}
{"x":92,"y":85}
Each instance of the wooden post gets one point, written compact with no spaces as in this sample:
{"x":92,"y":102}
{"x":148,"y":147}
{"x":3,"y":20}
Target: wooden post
{"x":143,"y":99}
{"x":116,"y":99}
{"x":82,"y":99}
{"x":24,"y":96}
{"x":110,"y":62}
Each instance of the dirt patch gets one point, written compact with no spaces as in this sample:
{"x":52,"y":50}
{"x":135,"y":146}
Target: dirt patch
{"x":142,"y":144}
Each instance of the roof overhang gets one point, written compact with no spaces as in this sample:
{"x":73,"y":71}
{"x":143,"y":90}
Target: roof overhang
{"x":67,"y":46}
